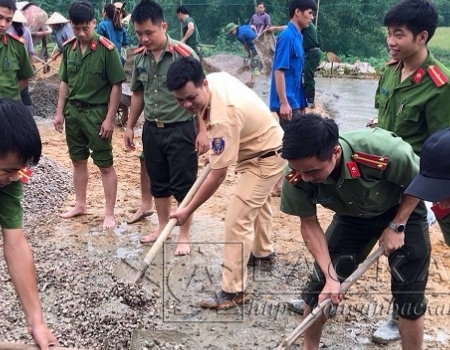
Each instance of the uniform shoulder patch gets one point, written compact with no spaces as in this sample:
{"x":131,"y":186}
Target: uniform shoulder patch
{"x":293,"y":177}
{"x":68,"y":41}
{"x":182,"y":49}
{"x":139,"y":50}
{"x":371,"y":160}
{"x":17,"y":38}
{"x":439,"y":78}
{"x":106,"y":43}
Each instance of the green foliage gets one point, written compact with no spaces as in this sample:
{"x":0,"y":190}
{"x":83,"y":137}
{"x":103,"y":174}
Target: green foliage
{"x":439,"y":45}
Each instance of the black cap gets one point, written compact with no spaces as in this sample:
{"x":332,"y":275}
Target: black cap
{"x":433,"y":182}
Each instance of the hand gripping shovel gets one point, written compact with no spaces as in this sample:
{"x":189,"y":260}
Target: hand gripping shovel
{"x":318,"y":310}
{"x":170,"y":226}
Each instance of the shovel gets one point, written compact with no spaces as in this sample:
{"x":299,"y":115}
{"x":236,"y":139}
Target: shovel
{"x":166,"y":231}
{"x":318,"y":310}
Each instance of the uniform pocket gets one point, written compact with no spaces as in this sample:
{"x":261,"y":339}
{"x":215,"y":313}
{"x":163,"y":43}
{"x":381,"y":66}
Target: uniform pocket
{"x":10,"y":69}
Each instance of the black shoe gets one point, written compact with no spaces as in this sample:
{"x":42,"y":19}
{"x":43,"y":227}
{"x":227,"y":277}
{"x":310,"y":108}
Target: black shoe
{"x":224,"y":300}
{"x":268,"y":260}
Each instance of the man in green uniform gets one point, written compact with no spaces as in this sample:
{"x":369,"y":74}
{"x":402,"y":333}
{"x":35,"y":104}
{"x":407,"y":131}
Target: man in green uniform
{"x":15,"y":67}
{"x":361,"y":176}
{"x":91,"y":85}
{"x":20,"y":147}
{"x":413,"y":95}
{"x":191,"y":35}
{"x":170,"y":140}
{"x":312,"y":58}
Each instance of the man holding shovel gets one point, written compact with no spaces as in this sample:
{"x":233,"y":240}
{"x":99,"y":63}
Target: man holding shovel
{"x":243,"y":131}
{"x":361,"y":176}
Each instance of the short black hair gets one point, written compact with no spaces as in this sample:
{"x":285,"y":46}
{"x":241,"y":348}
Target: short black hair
{"x":310,"y":135}
{"x":416,"y":15}
{"x":261,"y":3}
{"x":184,"y":70}
{"x":18,"y":132}
{"x":302,"y":5}
{"x":81,"y":12}
{"x":148,"y":10}
{"x":9,"y":4}
{"x":182,"y":9}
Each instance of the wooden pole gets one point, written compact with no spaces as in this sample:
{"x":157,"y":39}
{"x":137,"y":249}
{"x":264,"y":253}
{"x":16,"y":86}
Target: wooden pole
{"x":317,"y":13}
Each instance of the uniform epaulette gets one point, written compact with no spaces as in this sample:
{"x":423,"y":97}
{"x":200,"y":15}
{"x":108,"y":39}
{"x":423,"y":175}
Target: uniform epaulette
{"x":139,"y":50}
{"x":181,"y":49}
{"x":16,"y":37}
{"x":106,"y":43}
{"x":391,"y":62}
{"x":293,"y":177}
{"x":371,"y":160}
{"x":68,"y":41}
{"x":439,"y":78}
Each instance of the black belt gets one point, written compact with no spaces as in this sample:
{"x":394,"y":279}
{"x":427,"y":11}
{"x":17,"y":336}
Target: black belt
{"x":270,"y":154}
{"x":80,"y":104}
{"x":313,"y":49}
{"x":167,"y":125}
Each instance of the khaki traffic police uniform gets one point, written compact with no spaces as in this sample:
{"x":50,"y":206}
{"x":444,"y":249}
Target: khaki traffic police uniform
{"x":169,"y":133}
{"x":90,"y":77}
{"x":417,"y":107}
{"x":376,"y":167}
{"x":15,"y":65}
{"x":243,"y":131}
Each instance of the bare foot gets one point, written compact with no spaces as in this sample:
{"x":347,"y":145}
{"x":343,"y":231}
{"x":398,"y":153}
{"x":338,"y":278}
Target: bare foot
{"x":109,"y":222}
{"x":75,"y":211}
{"x":183,"y":248}
{"x":152,"y":237}
{"x":139,"y":215}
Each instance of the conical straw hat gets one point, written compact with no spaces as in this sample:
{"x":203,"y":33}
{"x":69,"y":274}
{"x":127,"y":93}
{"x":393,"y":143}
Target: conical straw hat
{"x":57,"y":18}
{"x":19,"y":17}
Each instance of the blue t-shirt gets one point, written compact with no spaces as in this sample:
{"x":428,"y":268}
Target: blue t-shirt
{"x":245,"y":34}
{"x":117,"y":36}
{"x":288,"y":57}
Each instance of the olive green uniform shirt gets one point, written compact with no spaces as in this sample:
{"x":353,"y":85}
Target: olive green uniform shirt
{"x":369,"y":195}
{"x":310,"y":40}
{"x":15,"y":66}
{"x":90,"y":76}
{"x":11,"y":211}
{"x":415,"y":108}
{"x":150,"y":76}
{"x":194,"y":40}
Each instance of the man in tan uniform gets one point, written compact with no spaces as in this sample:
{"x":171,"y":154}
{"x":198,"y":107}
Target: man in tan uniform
{"x":243,"y":131}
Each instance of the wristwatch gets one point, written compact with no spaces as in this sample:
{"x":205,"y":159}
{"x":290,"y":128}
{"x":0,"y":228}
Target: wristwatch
{"x":399,"y":228}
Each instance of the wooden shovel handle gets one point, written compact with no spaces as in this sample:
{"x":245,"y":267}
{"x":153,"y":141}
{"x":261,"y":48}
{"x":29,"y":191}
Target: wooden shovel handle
{"x":171,"y":225}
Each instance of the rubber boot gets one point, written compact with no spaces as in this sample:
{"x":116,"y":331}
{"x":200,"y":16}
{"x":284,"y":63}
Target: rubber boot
{"x":388,"y":331}
{"x":310,"y":94}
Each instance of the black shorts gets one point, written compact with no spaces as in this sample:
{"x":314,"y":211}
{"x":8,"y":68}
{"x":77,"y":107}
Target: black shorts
{"x":170,"y":158}
{"x":350,"y":241}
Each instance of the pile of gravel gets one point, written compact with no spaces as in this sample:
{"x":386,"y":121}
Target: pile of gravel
{"x":46,"y":190}
{"x":44,"y":96}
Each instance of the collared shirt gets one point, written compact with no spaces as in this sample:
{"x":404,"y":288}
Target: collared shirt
{"x":415,"y":108}
{"x":239,"y":121}
{"x":288,"y":57}
{"x":245,"y":35}
{"x":11,"y":211}
{"x":14,"y":66}
{"x":90,"y":76}
{"x":371,"y":193}
{"x":117,"y":36}
{"x":260,"y":21}
{"x":310,"y":40}
{"x":25,"y":36}
{"x":62,"y":34}
{"x":194,"y":40}
{"x":150,"y":76}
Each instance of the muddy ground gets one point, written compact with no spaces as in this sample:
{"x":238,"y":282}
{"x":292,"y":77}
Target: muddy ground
{"x":85,"y":306}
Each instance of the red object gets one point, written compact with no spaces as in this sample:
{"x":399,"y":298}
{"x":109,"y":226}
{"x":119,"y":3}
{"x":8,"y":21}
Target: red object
{"x":418,"y":75}
{"x":439,"y":78}
{"x":353,"y":169}
{"x":439,"y":212}
{"x":25,"y":174}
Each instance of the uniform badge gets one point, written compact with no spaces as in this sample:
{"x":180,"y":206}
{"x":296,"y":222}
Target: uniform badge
{"x":93,"y":45}
{"x":353,"y":169}
{"x":25,"y":174}
{"x":218,"y":145}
